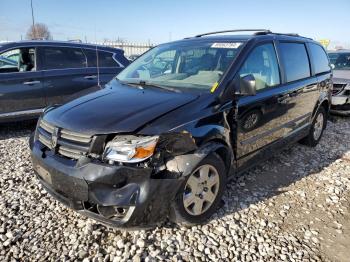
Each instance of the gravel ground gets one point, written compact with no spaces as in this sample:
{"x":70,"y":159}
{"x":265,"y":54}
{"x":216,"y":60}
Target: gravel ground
{"x":294,"y":207}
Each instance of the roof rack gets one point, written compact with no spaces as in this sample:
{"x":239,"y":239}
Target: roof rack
{"x":265,"y":33}
{"x":293,"y":34}
{"x":236,"y":30}
{"x":257,"y":32}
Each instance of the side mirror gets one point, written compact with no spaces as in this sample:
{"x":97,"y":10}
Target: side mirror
{"x":247,"y":86}
{"x":332,"y":66}
{"x":241,"y":86}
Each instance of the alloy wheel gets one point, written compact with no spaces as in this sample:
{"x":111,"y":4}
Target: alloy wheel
{"x":318,"y":126}
{"x":201,"y":190}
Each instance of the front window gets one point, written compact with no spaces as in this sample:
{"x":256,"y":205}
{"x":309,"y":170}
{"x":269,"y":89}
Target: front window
{"x":17,"y":60}
{"x":182,"y":65}
{"x":262,"y":64}
{"x":340,"y":61}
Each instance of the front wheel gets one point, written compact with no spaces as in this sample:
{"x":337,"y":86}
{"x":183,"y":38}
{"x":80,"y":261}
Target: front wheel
{"x":317,"y":127}
{"x":201,"y":192}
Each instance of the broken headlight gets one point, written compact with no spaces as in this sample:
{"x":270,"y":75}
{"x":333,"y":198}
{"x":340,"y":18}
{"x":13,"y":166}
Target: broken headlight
{"x":130,"y":149}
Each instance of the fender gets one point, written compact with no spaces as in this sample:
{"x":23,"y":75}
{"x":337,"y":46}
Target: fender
{"x":325,"y":96}
{"x":185,"y":164}
{"x":319,"y":103}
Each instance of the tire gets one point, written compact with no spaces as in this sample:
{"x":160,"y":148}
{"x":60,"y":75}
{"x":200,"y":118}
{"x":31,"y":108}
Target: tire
{"x":314,"y":137}
{"x":31,"y":139}
{"x":182,"y":214}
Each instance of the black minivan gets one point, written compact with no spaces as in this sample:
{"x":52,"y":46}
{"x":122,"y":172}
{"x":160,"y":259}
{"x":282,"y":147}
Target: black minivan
{"x":162,"y":139}
{"x":36,"y":74}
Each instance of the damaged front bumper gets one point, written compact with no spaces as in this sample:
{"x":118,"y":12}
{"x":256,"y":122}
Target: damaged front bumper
{"x":341,"y":98}
{"x":341,"y":105}
{"x":120,"y":196}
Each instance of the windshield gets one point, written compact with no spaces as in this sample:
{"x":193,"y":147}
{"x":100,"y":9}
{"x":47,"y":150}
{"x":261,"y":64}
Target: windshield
{"x":182,"y":65}
{"x":341,"y":61}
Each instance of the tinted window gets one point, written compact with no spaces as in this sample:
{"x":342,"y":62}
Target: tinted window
{"x":296,"y":61}
{"x":262,"y":64}
{"x":63,"y":57}
{"x":105,"y":59}
{"x":320,"y":59}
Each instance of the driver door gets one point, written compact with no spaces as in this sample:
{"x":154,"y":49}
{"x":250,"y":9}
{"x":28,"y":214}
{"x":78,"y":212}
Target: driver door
{"x":262,"y":119}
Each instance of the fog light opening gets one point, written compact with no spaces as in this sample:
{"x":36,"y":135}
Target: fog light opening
{"x":120,"y":210}
{"x":112,"y":212}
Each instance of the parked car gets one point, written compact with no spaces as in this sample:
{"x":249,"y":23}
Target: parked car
{"x":340,"y":61}
{"x":162,"y":139}
{"x":42,"y":73}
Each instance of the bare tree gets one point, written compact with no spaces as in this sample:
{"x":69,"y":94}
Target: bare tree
{"x":39,"y":31}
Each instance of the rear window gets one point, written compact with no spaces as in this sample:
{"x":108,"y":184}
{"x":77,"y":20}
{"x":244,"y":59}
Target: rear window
{"x":320,"y":59}
{"x":105,"y":59}
{"x":63,"y":57}
{"x":295,"y":60}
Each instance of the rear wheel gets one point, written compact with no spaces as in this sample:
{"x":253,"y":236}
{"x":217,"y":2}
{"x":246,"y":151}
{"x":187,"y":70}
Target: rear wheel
{"x":201,"y":192}
{"x":317,"y":127}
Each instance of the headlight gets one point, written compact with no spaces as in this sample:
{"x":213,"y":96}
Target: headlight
{"x":130,"y":149}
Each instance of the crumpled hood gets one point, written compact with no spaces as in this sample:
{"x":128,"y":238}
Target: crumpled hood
{"x":117,"y":108}
{"x":341,"y":76}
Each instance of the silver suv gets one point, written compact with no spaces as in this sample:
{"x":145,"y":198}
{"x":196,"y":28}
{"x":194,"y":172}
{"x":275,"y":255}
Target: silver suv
{"x":340,"y":61}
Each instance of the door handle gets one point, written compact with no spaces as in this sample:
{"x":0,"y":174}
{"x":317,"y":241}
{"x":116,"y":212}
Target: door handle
{"x":90,"y":77}
{"x":283,"y":99}
{"x":30,"y":83}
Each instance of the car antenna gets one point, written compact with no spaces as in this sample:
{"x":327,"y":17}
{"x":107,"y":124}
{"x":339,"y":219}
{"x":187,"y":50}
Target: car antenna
{"x":97,"y":64}
{"x":98,"y":68}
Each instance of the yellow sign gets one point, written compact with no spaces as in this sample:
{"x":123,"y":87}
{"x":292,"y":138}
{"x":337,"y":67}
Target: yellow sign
{"x":325,"y":42}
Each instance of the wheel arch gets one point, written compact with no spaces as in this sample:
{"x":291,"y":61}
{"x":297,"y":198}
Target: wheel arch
{"x":324,"y":103}
{"x":224,"y":152}
{"x":184,"y":164}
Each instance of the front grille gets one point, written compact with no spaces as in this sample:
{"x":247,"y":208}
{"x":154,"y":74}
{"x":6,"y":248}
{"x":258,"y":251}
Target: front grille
{"x":68,"y":143}
{"x":338,"y":88}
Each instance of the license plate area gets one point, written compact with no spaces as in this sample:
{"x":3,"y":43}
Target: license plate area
{"x":44,"y":174}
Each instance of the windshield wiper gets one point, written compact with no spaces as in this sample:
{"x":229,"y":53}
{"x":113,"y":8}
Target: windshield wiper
{"x":143,"y":84}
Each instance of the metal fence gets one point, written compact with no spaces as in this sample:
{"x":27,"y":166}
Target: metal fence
{"x":128,"y":47}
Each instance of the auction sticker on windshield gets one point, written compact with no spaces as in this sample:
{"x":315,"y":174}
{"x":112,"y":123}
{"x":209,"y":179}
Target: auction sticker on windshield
{"x":226,"y":45}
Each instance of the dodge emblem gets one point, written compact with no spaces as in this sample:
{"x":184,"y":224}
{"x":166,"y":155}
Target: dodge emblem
{"x":54,"y":137}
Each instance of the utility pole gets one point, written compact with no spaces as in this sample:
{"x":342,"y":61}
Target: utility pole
{"x":33,"y":23}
